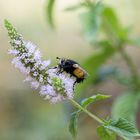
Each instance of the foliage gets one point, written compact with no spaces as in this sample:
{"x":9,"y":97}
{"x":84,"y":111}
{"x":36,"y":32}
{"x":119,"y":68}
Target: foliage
{"x":126,"y":106}
{"x":92,"y":99}
{"x":109,"y":128}
{"x":105,"y":134}
{"x":49,"y":12}
{"x":122,"y":127}
{"x":73,"y":123}
{"x":103,"y":30}
{"x":84,"y":103}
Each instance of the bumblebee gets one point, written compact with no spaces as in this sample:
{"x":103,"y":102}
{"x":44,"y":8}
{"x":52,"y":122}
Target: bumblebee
{"x":72,"y":68}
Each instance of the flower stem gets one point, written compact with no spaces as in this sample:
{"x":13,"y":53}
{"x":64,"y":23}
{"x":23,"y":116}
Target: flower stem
{"x":86,"y":111}
{"x":133,"y":70}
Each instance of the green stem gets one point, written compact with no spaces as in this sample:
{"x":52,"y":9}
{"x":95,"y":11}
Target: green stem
{"x":133,"y":70}
{"x":86,"y":111}
{"x":109,"y":30}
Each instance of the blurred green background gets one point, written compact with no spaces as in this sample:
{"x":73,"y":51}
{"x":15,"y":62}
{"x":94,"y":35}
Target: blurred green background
{"x":23,"y":114}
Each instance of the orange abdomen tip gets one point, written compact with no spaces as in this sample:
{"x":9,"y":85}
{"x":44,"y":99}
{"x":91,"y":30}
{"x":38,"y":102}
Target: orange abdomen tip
{"x":78,"y":73}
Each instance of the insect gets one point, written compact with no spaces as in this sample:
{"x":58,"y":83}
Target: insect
{"x":72,"y":68}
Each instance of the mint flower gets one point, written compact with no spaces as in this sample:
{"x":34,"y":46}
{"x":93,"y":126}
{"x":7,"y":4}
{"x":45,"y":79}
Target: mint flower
{"x":52,"y":85}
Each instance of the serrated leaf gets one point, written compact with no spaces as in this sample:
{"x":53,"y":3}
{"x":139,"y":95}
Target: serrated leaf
{"x":126,"y":106}
{"x":49,"y":12}
{"x":93,"y":99}
{"x":123,"y":128}
{"x":105,"y":134}
{"x":73,"y":123}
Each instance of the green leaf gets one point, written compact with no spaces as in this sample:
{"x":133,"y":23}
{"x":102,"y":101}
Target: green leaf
{"x":94,"y":62}
{"x":75,"y":115}
{"x":126,"y":106}
{"x":105,"y":134}
{"x":123,"y":128}
{"x":93,"y":99}
{"x":112,"y":27}
{"x":91,"y":22}
{"x":49,"y":12}
{"x":73,"y":123}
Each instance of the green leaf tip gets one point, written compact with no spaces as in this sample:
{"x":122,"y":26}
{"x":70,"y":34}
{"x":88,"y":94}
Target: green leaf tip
{"x":49,"y":12}
{"x":73,"y":124}
{"x":93,"y":99}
